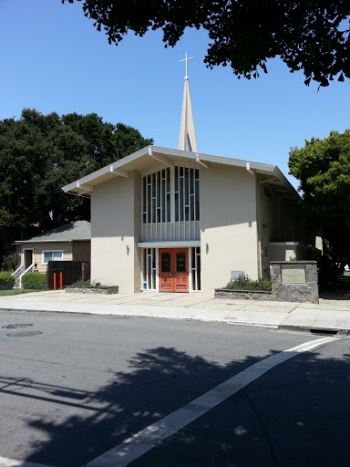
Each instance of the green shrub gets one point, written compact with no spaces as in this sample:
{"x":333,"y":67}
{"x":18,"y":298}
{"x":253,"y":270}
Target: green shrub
{"x":34,"y":281}
{"x":244,"y":283}
{"x":81,"y":284}
{"x":7,"y":281}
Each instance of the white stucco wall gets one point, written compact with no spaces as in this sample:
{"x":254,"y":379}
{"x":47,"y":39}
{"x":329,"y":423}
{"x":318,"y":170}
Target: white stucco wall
{"x":279,"y":214}
{"x":112,"y":233}
{"x":283,"y":251}
{"x":287,"y":218}
{"x":228,"y":225}
{"x":267,"y":225}
{"x":278,"y":223}
{"x":137,"y":232}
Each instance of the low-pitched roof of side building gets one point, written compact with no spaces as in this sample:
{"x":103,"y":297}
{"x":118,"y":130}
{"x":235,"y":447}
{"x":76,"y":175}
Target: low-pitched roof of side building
{"x":73,"y":231}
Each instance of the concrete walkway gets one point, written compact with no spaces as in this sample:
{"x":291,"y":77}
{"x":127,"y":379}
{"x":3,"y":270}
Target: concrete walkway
{"x":329,"y":315}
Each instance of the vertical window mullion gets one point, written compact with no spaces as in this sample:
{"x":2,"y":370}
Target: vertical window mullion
{"x":158,"y":198}
{"x":171,"y":205}
{"x":162,"y":186}
{"x":174,"y":195}
{"x":181,"y":191}
{"x":154,"y":195}
{"x":197,"y":198}
{"x":198,"y":268}
{"x":143,"y":220}
{"x":192,"y":195}
{"x":149,"y":193}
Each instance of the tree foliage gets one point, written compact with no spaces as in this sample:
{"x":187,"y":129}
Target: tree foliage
{"x":307,"y":35}
{"x":41,"y":153}
{"x":323,"y":168}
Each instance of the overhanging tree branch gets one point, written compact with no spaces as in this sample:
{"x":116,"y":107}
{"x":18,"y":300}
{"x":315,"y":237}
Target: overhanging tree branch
{"x":312,"y":36}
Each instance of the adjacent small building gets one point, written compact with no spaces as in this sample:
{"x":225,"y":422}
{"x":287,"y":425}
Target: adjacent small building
{"x":69,"y":242}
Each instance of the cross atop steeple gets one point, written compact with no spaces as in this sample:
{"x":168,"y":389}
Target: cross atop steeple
{"x":186,"y":59}
{"x":187,"y":133}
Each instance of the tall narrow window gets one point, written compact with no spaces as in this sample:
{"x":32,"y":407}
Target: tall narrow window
{"x":168,"y":195}
{"x":186,"y":194}
{"x":176,"y":194}
{"x":149,"y":197}
{"x":196,"y":268}
{"x":196,"y":196}
{"x":149,"y":269}
{"x":157,"y":196}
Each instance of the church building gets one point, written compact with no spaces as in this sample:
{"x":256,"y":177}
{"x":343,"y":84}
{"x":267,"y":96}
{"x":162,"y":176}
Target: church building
{"x":177,"y":220}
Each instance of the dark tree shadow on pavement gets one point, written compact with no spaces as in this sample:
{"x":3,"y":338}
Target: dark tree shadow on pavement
{"x":161,"y":380}
{"x":274,"y":421}
{"x":338,"y":291}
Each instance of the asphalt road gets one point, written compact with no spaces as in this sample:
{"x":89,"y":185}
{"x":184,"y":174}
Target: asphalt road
{"x":74,"y":387}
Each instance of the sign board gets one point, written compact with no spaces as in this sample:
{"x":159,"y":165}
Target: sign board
{"x":293,"y":275}
{"x":236,"y":274}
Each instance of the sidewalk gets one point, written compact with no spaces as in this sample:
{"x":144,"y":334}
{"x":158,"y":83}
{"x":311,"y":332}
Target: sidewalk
{"x":329,"y":315}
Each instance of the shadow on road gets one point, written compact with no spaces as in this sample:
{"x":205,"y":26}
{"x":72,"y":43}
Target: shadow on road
{"x":162,"y":379}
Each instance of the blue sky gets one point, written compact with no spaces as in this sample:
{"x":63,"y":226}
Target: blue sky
{"x":53,"y":59}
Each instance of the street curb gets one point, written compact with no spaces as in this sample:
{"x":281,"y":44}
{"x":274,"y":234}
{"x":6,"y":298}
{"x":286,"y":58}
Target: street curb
{"x":312,"y":330}
{"x":28,"y":310}
{"x":315,"y":330}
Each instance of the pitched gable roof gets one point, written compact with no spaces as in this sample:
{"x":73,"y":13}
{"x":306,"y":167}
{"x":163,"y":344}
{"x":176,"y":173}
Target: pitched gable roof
{"x":73,"y":231}
{"x":145,"y":159}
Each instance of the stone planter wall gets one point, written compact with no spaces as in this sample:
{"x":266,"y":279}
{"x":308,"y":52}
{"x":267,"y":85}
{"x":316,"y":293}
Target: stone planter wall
{"x":244,"y":294}
{"x":90,"y":290}
{"x":294,"y":281}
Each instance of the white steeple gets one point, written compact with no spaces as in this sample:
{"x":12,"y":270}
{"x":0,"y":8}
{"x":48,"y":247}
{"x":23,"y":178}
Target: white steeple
{"x":187,"y":139}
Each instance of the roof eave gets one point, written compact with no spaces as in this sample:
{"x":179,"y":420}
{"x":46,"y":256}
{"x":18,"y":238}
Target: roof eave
{"x":84,"y":186}
{"x":32,"y":240}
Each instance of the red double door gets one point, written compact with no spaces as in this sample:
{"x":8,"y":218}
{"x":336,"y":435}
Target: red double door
{"x":173,"y":270}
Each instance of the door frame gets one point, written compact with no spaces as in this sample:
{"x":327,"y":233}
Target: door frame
{"x":25,"y":250}
{"x":145,"y":271}
{"x":173,"y":251}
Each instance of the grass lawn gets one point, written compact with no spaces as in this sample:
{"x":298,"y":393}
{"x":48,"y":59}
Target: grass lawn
{"x":17,"y":292}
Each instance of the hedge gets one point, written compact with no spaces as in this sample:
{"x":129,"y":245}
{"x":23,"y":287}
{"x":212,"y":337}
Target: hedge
{"x":7,"y":281}
{"x":34,"y":281}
